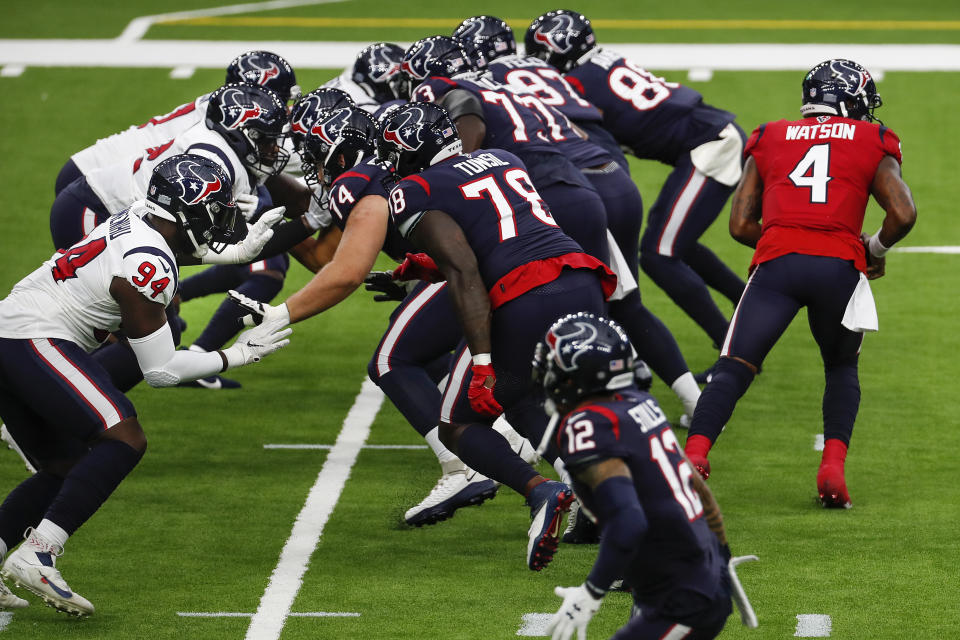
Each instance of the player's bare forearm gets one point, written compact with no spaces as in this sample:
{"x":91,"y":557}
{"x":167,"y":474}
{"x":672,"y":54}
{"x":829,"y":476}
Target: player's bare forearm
{"x":893,"y":194}
{"x":711,"y":510}
{"x":746,"y":207}
{"x":289,"y":192}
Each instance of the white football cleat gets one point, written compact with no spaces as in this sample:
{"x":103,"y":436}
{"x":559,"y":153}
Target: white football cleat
{"x":454,"y":489}
{"x":33,"y":567}
{"x":9,"y":600}
{"x":11,"y":444}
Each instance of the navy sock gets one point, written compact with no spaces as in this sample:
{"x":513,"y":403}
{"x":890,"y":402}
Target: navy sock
{"x":25,"y":505}
{"x":484,"y":450}
{"x":226,"y":322}
{"x":412,"y":391}
{"x":715,"y":272}
{"x":730,"y":381}
{"x":217,"y":279}
{"x":688,"y":290}
{"x":90,"y":482}
{"x":841,"y":401}
{"x":650,"y":337}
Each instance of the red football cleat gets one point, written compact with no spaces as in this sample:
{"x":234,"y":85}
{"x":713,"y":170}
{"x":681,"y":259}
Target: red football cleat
{"x":832,"y":487}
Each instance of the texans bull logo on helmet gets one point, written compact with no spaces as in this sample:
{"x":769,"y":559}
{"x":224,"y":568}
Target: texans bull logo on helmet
{"x":568,"y":347}
{"x":379,"y":67}
{"x":259,"y":70}
{"x":196,"y":182}
{"x":427,"y":54}
{"x":406,"y":131}
{"x":853,"y":77}
{"x":328,"y":129}
{"x":557,"y":33}
{"x":237,"y":109}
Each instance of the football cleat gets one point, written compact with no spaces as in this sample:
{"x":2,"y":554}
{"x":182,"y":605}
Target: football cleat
{"x":9,"y":600}
{"x":11,"y":444}
{"x":548,"y":501}
{"x":33,"y":567}
{"x":580,"y":529}
{"x":832,"y":487}
{"x":453,"y":490}
{"x":213,"y":382}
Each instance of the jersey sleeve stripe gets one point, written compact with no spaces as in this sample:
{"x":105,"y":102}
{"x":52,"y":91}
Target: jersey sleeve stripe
{"x":352,"y":174}
{"x":160,"y":254}
{"x":420,"y":181}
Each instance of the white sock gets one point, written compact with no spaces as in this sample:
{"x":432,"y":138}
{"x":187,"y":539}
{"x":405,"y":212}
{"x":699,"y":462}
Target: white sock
{"x":194,"y":347}
{"x":3,"y":550}
{"x":688,"y":391}
{"x":561,"y":470}
{"x":52,"y":533}
{"x":443,"y":454}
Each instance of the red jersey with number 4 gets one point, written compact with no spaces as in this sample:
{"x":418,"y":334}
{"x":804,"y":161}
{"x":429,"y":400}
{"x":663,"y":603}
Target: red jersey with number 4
{"x":817,"y":174}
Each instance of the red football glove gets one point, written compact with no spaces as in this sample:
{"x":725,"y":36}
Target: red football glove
{"x":418,"y":266}
{"x":480,"y":395}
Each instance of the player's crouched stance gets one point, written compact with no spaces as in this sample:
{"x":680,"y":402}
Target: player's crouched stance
{"x":60,"y":405}
{"x":663,"y":533}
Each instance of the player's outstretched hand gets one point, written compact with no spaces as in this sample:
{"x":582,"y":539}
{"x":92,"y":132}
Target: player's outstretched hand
{"x":255,"y":344}
{"x":418,"y":266}
{"x":574,"y":614}
{"x":480,"y":392}
{"x":260,"y":312}
{"x":386,"y":288}
{"x":876,"y":267}
{"x":247,"y":249}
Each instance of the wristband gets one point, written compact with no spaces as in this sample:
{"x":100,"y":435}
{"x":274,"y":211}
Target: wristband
{"x":481,"y":359}
{"x":226,"y":363}
{"x":877,"y":250}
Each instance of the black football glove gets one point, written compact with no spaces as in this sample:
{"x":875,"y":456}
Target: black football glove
{"x":387,"y":289}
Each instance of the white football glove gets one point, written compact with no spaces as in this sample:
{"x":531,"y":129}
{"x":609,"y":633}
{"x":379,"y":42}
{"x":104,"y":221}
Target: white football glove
{"x":247,"y":249}
{"x":255,"y":344}
{"x":318,"y":214}
{"x":574,"y":614}
{"x":247,"y":203}
{"x":747,"y":616}
{"x":260,"y":312}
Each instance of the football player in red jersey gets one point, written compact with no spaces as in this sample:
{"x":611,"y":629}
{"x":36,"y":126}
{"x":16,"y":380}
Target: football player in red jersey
{"x":809,"y":181}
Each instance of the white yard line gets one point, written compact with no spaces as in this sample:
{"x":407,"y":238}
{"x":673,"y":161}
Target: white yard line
{"x":813,"y":625}
{"x":534,"y":624}
{"x":325,"y":55}
{"x":948,"y":250}
{"x":818,"y":442}
{"x":328,"y":446}
{"x":5,"y":618}
{"x":237,"y":614}
{"x":138,"y":27}
{"x":267,"y":623}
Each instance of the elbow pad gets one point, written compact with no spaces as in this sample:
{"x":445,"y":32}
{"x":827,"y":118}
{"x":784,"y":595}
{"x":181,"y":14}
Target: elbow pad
{"x":164,"y":366}
{"x":461,"y":102}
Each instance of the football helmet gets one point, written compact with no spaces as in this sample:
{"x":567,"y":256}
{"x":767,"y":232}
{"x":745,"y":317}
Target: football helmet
{"x":485,"y":38}
{"x":561,"y":38}
{"x":265,"y":69}
{"x":436,"y":56}
{"x":338,"y":140}
{"x":416,"y":136}
{"x":377,"y":70}
{"x":309,"y":108}
{"x":582,"y":354}
{"x":196,"y":193}
{"x":253,"y":121}
{"x":841,"y":88}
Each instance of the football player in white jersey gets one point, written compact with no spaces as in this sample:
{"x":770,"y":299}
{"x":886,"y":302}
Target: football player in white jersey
{"x":261,"y":68}
{"x":61,"y":407}
{"x":369,"y":80}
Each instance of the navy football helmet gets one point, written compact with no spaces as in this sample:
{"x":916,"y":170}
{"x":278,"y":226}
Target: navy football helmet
{"x":582,"y":354}
{"x":253,"y":121}
{"x":265,"y":69}
{"x":311,"y":106}
{"x":416,"y":136}
{"x":377,"y":70}
{"x":338,"y":140}
{"x":196,"y":193}
{"x":841,"y":88}
{"x":437,"y":56}
{"x":560,"y":38}
{"x":485,"y":39}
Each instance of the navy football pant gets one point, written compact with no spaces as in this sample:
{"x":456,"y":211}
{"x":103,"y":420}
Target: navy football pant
{"x":68,"y":173}
{"x":74,"y":213}
{"x":687,"y":205}
{"x":580,"y":213}
{"x":776,"y":291}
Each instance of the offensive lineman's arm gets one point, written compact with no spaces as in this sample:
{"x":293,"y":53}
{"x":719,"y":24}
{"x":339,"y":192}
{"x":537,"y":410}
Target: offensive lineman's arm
{"x":443,"y":240}
{"x":746,"y":206}
{"x":355,"y":255}
{"x":467,"y":114}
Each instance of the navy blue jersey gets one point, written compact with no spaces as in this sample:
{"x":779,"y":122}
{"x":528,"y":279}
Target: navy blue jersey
{"x":658,"y":120}
{"x":679,"y":550}
{"x":350,"y":187}
{"x":509,"y":227}
{"x":526,"y":73}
